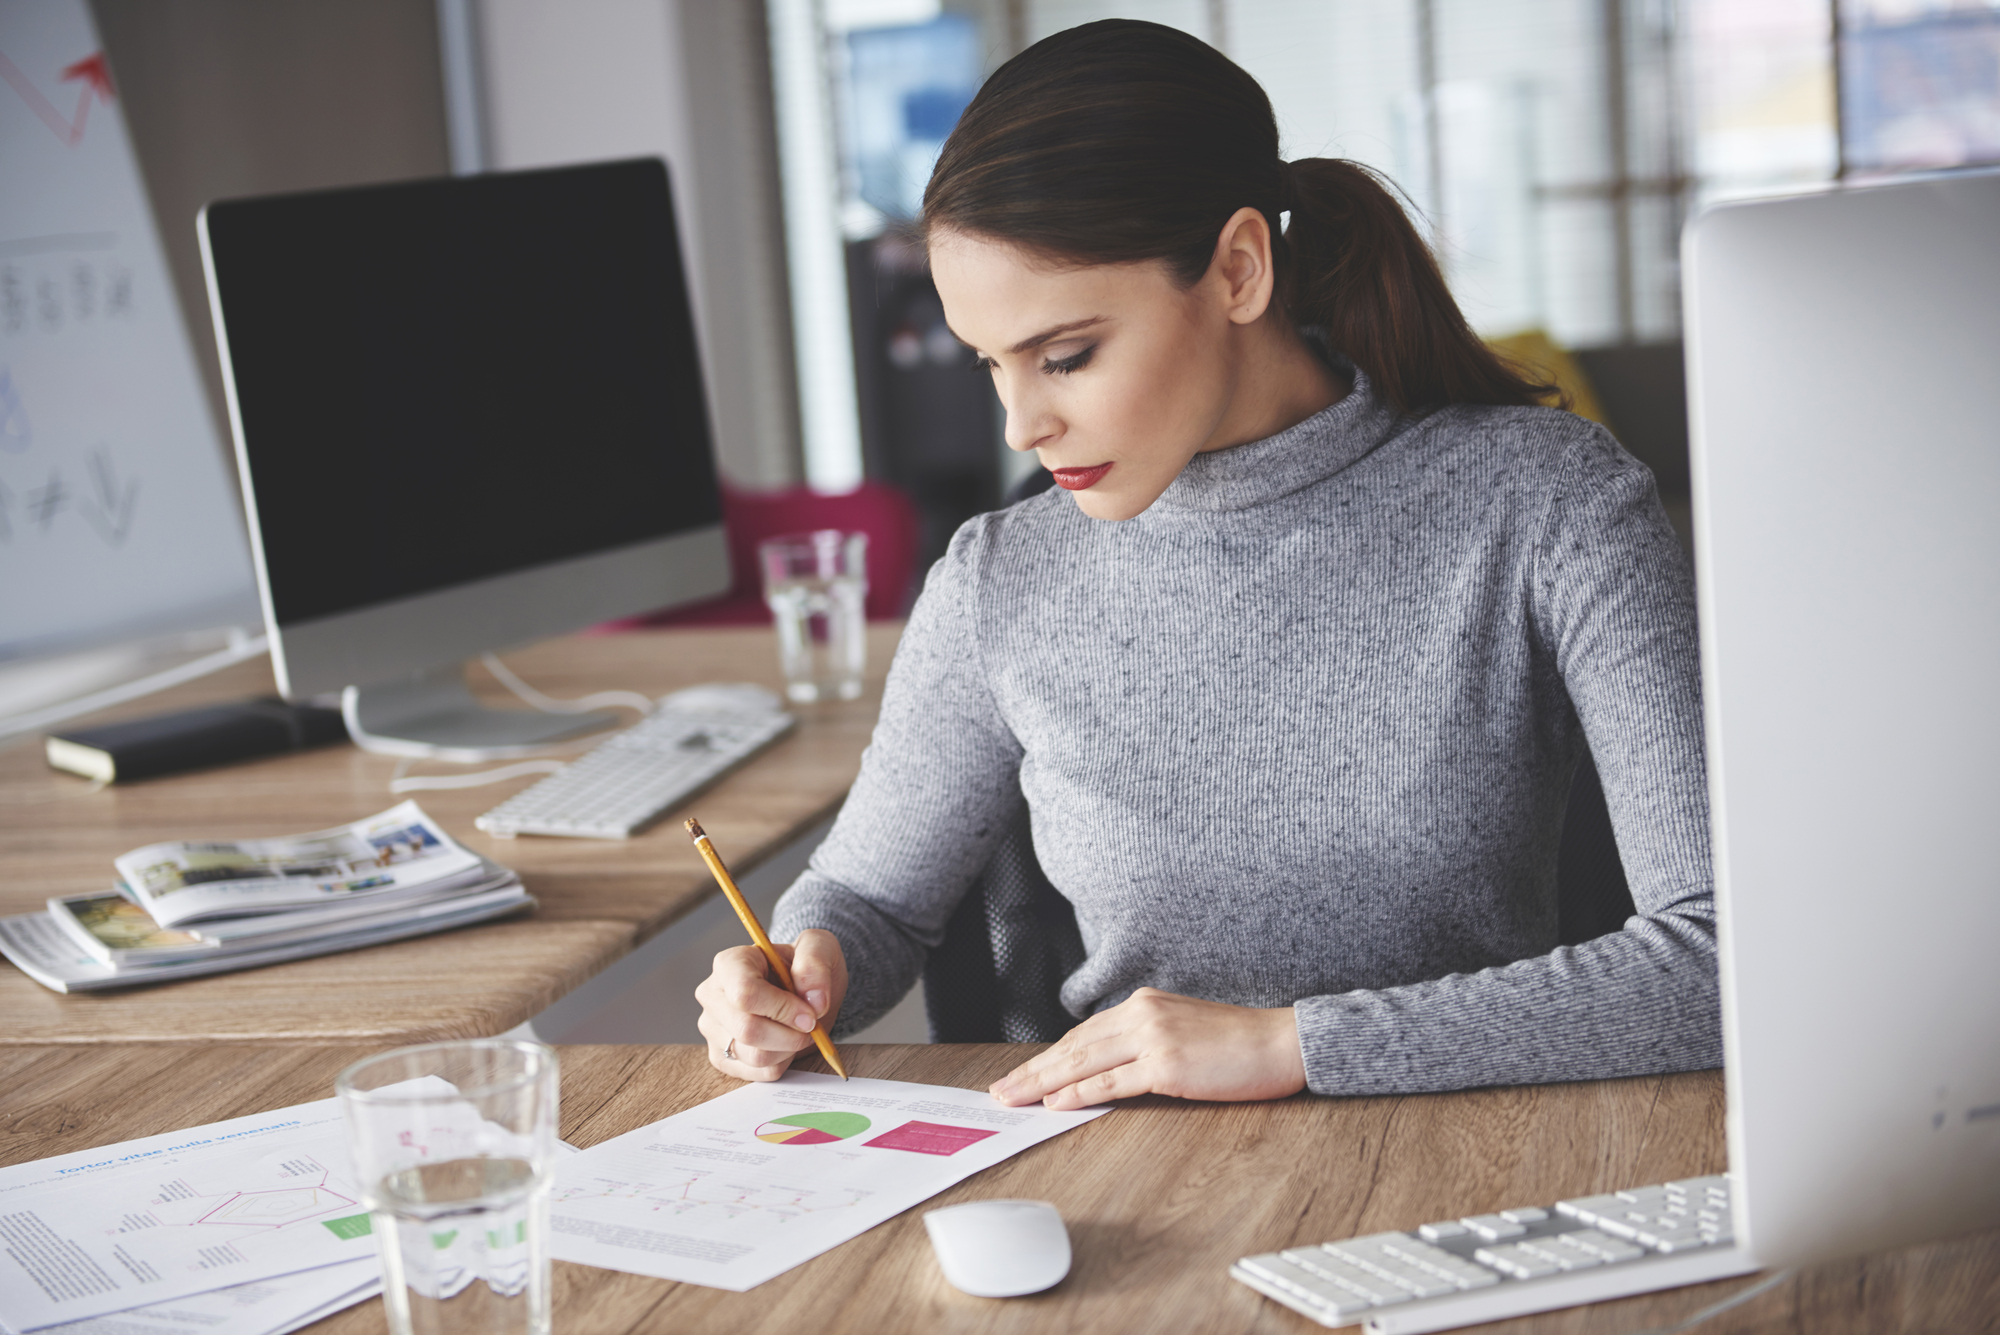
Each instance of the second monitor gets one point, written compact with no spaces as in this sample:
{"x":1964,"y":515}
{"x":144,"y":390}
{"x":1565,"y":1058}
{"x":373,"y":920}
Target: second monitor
{"x":469,"y":414}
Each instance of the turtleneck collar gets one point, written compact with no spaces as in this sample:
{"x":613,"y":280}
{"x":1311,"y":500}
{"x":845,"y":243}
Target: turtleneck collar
{"x":1262,"y":471}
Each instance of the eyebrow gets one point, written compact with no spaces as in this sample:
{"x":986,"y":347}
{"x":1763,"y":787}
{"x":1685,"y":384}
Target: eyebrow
{"x":1056,"y":331}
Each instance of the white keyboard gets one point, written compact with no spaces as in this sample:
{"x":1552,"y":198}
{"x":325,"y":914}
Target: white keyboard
{"x":1460,"y":1272}
{"x":619,"y":788}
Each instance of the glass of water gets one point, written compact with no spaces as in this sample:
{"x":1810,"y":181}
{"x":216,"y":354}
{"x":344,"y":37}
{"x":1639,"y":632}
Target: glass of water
{"x":817,"y":586}
{"x":454,"y":1145}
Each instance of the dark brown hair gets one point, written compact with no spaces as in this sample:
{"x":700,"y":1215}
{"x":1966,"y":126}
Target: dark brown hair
{"x":1124,"y":141}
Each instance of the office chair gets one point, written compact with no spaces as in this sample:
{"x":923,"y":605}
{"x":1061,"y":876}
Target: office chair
{"x":998,"y":974}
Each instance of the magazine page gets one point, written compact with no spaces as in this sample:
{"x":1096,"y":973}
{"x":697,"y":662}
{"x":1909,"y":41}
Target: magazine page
{"x":119,"y":932}
{"x":499,"y":897}
{"x":43,"y":951}
{"x":341,"y":913}
{"x":187,"y":880}
{"x":114,"y":929}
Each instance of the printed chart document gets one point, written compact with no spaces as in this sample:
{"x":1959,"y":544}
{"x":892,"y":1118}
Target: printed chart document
{"x":742,"y":1188}
{"x":139,"y":1223}
{"x":261,"y":1307}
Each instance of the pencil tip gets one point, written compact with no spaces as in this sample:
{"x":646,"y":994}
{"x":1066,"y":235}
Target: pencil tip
{"x":694,"y":829}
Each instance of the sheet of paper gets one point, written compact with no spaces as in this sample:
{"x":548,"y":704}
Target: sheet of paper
{"x":742,"y":1188}
{"x":135,"y":1224}
{"x":261,"y":1307}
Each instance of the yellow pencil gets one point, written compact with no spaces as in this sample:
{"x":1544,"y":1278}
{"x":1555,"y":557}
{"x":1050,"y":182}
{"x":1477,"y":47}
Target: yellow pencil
{"x":757,"y":934}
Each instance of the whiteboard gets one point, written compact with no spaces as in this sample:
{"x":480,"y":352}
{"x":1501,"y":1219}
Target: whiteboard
{"x":117,"y":518}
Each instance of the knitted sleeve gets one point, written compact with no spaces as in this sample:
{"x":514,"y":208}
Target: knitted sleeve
{"x":1612,"y":599}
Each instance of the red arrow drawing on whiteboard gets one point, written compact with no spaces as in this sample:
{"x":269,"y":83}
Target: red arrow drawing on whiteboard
{"x":96,"y":78}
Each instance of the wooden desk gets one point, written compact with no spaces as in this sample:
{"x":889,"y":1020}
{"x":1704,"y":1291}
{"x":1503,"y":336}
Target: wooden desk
{"x":1160,"y":1196}
{"x":599,"y":898}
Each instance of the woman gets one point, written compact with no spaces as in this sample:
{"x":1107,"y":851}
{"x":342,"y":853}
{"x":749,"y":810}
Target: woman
{"x":1295,"y":672}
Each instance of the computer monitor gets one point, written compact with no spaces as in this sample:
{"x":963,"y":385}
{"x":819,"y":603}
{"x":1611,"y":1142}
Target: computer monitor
{"x":1845,"y":416}
{"x":469,"y":414}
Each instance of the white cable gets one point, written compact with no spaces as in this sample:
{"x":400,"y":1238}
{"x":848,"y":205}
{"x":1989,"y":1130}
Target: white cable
{"x":1736,"y":1299}
{"x":422,"y":782}
{"x":550,"y":705}
{"x":403,"y":782}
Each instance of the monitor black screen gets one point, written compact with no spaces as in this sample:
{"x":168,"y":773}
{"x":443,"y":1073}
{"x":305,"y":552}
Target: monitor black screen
{"x":443,"y":381}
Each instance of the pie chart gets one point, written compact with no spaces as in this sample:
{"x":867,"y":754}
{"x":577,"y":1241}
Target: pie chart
{"x":812,"y":1128}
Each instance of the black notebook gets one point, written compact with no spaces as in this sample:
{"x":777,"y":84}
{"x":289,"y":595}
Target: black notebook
{"x":193,"y":739}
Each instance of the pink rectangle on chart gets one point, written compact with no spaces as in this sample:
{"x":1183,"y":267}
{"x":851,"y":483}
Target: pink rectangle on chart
{"x":929,"y":1138}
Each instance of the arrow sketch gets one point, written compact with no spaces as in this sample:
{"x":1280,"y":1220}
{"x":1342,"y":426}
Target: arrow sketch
{"x":91,"y":71}
{"x":112,"y":515}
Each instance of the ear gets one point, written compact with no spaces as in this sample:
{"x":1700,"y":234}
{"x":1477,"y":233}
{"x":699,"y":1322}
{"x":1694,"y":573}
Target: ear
{"x":1241,"y":270}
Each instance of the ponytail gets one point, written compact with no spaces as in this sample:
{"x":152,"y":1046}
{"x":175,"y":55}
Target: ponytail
{"x":1351,"y":264}
{"x":1122,"y":141}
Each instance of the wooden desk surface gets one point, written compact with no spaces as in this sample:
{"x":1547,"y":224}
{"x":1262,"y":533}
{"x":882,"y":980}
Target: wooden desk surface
{"x":599,"y":898}
{"x":1160,"y":1196}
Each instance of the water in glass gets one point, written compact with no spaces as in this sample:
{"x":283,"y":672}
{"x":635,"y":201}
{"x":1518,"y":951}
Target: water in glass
{"x":464,"y":1248}
{"x":822,"y":629}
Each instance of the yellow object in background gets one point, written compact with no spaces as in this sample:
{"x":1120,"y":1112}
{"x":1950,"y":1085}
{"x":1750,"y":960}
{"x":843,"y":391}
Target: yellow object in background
{"x":1547,"y":359}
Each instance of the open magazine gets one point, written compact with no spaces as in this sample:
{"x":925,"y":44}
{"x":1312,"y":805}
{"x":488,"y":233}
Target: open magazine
{"x":393,"y":853}
{"x":243,"y":903}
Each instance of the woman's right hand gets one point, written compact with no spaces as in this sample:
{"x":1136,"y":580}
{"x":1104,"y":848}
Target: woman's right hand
{"x":753,"y":1026}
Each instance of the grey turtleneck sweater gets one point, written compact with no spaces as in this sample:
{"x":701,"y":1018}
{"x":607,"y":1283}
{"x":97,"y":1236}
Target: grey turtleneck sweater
{"x":1301,"y":734}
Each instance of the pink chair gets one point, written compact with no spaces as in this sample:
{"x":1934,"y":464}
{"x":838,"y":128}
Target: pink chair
{"x":880,"y":511}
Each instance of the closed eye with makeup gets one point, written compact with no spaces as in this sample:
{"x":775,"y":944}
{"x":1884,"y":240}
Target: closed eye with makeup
{"x":1116,"y":375}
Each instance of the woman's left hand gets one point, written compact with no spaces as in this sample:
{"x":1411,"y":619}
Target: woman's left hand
{"x":1158,"y":1043}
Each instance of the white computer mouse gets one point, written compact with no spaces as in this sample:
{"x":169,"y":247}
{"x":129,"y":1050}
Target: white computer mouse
{"x":1000,"y":1249}
{"x":728,"y":697}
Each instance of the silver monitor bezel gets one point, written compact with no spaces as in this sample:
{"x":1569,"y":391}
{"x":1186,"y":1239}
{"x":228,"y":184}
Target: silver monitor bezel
{"x":401,"y":637}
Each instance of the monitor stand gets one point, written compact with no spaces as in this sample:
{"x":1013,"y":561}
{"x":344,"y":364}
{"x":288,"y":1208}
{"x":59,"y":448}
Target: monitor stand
{"x":435,"y":715}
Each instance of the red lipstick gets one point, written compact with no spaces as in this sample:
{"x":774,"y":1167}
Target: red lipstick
{"x":1076,"y":479}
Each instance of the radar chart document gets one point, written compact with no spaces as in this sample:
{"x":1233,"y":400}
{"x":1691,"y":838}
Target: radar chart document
{"x":139,"y":1223}
{"x":742,"y":1188}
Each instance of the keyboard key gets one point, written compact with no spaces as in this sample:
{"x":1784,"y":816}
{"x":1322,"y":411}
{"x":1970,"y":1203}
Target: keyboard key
{"x":1320,"y":1293}
{"x":1352,"y":1278}
{"x":1592,"y":1208}
{"x":1410,"y":1263}
{"x":1511,"y":1259}
{"x":1437,"y":1261}
{"x":632,"y":777}
{"x":1681,"y":1242}
{"x":1611,"y":1229}
{"x":1400,"y":1258}
{"x":1493,"y":1227}
{"x":1386,"y":1277}
{"x":1568,"y":1254}
{"x":1610,"y":1248}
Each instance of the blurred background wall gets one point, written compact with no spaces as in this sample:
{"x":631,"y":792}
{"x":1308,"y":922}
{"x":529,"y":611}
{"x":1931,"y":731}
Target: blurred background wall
{"x":1551,"y":150}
